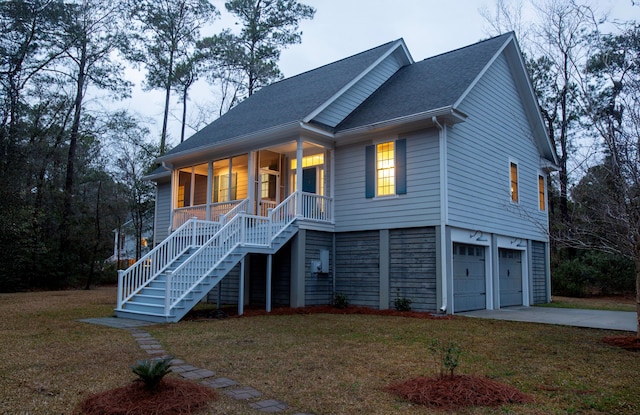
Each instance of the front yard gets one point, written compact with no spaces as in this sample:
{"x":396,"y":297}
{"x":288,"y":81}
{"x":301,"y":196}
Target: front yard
{"x":317,"y":363}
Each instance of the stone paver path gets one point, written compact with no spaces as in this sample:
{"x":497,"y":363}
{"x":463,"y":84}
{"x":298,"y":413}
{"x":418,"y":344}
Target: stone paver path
{"x":207,"y":377}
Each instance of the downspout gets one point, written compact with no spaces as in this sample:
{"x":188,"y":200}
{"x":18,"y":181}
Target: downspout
{"x":443,"y":210}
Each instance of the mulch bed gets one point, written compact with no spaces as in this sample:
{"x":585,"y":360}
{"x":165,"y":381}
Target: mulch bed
{"x":631,"y":343}
{"x":452,"y":392}
{"x":172,"y":397}
{"x":322,"y":309}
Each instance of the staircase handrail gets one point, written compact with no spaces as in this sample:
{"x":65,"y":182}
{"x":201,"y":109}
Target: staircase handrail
{"x":284,"y":214}
{"x":182,"y":279}
{"x":239,"y":208}
{"x":138,"y":275}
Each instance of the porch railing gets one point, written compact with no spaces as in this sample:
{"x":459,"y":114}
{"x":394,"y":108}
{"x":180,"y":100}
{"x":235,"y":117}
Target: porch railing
{"x":317,"y":207}
{"x":216,"y":210}
{"x":241,"y":230}
{"x":192,"y":233}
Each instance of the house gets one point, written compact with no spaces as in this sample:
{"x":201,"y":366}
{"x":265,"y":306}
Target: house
{"x":374,"y":177}
{"x":125,"y":244}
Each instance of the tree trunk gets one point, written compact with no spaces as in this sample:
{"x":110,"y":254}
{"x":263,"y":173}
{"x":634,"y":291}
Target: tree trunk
{"x":636,"y":261}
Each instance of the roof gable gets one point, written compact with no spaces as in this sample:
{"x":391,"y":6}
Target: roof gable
{"x":283,"y":102}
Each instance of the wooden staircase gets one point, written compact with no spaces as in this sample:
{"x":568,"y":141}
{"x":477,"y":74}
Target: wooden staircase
{"x":171,"y":279}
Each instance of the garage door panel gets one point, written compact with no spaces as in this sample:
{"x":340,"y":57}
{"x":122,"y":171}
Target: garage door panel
{"x":510,"y":274}
{"x":469,"y":283}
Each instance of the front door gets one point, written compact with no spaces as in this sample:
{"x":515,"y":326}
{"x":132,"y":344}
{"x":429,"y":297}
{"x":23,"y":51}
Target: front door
{"x":269,"y":190}
{"x":309,"y":179}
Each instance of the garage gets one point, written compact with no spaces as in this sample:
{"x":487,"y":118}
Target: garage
{"x":469,"y":282}
{"x":510,"y":274}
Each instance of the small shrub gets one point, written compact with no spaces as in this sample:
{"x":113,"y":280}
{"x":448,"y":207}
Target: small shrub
{"x":446,"y":355}
{"x":340,"y":301}
{"x":151,"y":372}
{"x":402,"y":304}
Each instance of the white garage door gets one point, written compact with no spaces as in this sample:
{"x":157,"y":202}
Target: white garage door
{"x":469,"y":286}
{"x":510,"y":277}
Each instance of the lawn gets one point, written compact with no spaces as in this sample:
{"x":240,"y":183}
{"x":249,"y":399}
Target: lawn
{"x":594,"y":303}
{"x":317,"y":363}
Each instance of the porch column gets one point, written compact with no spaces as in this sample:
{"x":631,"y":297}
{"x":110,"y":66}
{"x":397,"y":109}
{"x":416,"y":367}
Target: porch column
{"x":241,"y":289}
{"x":268,"y":288}
{"x":251,"y":177}
{"x":332,"y":181}
{"x":209,"y":190}
{"x":297,"y":269}
{"x":299,"y":155}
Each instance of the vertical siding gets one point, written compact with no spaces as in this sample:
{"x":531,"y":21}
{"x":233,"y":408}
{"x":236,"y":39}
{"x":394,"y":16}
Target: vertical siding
{"x":318,"y":287}
{"x":496,"y":132}
{"x":351,"y":99}
{"x":412,"y":268}
{"x":229,"y":288}
{"x":539,"y":272}
{"x":281,"y":276}
{"x":358,"y":267}
{"x":418,"y":207}
{"x":163,"y":211}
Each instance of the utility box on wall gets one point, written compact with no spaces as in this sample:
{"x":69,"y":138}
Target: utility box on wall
{"x":321,"y":266}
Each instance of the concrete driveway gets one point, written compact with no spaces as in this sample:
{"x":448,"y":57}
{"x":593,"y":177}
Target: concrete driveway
{"x":597,"y":319}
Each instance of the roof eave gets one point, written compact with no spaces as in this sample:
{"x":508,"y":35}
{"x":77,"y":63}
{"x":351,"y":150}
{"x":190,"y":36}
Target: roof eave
{"x":447,"y":115}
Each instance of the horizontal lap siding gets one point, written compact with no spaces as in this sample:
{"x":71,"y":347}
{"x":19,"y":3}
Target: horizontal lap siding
{"x":163,"y":211}
{"x":229,"y":288}
{"x":412,"y":267}
{"x":496,"y":132}
{"x":539,"y":272}
{"x":281,"y":284}
{"x":358,"y":267}
{"x":418,"y":207}
{"x":318,"y":287}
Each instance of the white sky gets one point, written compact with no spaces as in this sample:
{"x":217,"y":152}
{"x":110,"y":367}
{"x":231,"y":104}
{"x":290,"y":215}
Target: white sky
{"x":342,"y":28}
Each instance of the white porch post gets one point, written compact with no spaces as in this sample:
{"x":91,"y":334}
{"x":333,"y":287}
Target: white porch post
{"x":209,"y":189}
{"x":268,"y":299}
{"x":299,"y":155}
{"x":332,"y":181}
{"x":251,"y":177}
{"x":174,"y":197}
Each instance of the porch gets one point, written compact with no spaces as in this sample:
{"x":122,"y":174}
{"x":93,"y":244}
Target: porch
{"x":255,"y":183}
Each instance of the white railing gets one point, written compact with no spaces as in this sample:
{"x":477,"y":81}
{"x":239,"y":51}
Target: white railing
{"x":265,"y":206}
{"x":214,"y":242}
{"x":215,"y":211}
{"x":193,"y":233}
{"x":316,"y":207}
{"x":240,"y":207}
{"x":182,"y":215}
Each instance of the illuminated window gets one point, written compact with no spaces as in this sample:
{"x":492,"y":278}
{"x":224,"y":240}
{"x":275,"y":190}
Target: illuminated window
{"x":541,"y":193}
{"x":309,"y":161}
{"x":513,"y":172}
{"x":385,"y":169}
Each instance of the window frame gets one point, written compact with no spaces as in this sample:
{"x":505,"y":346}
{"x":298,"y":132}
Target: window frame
{"x":542,"y":192}
{"x":399,"y":166}
{"x":514,"y":164}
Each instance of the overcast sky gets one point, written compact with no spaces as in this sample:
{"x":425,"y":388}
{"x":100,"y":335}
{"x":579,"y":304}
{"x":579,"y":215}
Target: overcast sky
{"x":342,"y":28}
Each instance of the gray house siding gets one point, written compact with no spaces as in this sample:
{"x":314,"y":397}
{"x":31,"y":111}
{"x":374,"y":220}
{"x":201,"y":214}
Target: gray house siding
{"x":495,"y":133}
{"x":418,"y":207}
{"x":360,"y":91}
{"x":412,"y":267}
{"x":539,"y":272}
{"x":229,"y":288}
{"x":318,"y":287}
{"x":163,"y":211}
{"x":357,"y":267}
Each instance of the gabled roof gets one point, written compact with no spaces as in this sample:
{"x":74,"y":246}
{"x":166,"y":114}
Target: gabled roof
{"x":436,"y":82}
{"x":283,"y":102}
{"x":409,"y":92}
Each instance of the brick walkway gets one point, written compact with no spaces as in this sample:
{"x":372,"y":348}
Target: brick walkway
{"x":205,"y":376}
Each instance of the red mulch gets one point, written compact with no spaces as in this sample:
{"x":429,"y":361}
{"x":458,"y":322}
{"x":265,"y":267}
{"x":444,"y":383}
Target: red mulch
{"x":451,"y":392}
{"x":321,"y":309}
{"x":631,"y":343}
{"x":173,"y":397}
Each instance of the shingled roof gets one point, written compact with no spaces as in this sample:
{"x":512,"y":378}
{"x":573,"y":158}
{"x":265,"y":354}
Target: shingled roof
{"x":283,"y":102}
{"x":431,"y":84}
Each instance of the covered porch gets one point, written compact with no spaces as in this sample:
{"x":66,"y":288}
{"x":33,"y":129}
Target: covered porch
{"x":255,"y":182}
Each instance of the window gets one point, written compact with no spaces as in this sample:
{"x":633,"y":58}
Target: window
{"x":513,"y":173}
{"x":385,"y":165}
{"x":385,"y":169}
{"x":541,"y":193}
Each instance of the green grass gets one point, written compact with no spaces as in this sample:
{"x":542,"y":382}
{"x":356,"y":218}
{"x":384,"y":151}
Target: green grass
{"x":593,"y":303}
{"x":317,"y":363}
